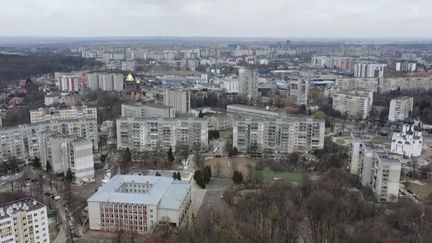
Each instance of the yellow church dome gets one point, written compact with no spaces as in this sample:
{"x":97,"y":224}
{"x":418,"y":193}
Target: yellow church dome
{"x":130,"y":78}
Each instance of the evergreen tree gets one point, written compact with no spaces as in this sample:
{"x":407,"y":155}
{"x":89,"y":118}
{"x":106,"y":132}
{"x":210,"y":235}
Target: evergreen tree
{"x":206,"y":174}
{"x":179,"y":176}
{"x":69,"y":175}
{"x":237,"y":177}
{"x":157,"y":173}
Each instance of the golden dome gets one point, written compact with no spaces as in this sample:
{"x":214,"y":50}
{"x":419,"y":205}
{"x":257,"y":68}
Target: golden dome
{"x":130,"y":78}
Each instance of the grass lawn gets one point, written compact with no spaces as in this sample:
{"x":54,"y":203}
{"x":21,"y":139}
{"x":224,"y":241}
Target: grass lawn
{"x":381,"y":140}
{"x":421,"y":190}
{"x":289,"y":176}
{"x":340,"y":141}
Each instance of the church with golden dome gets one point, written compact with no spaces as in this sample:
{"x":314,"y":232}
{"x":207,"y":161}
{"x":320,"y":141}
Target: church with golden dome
{"x":132,"y":89}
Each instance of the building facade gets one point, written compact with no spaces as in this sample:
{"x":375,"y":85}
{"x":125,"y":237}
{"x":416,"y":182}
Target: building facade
{"x":400,"y":108}
{"x":26,"y":142}
{"x":248,"y":83}
{"x":298,"y":91}
{"x":147,"y":110}
{"x":155,"y":134}
{"x":105,"y":81}
{"x":280,"y":136}
{"x":136,"y":204}
{"x":369,"y":70}
{"x":25,"y":220}
{"x":375,"y":169}
{"x":353,"y":104}
{"x":65,"y":152}
{"x":72,"y":113}
{"x":179,"y":99}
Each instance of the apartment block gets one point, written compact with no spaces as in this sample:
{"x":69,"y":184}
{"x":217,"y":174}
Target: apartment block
{"x":179,"y":99}
{"x":298,"y":91}
{"x":105,"y":81}
{"x":65,"y":152}
{"x":136,"y":204}
{"x":375,"y":168}
{"x":248,"y":83}
{"x":25,"y":220}
{"x":25,"y":142}
{"x":401,"y":108}
{"x":155,"y":134}
{"x":354,"y":104}
{"x":280,"y":136}
{"x":147,"y":110}
{"x":71,"y":113}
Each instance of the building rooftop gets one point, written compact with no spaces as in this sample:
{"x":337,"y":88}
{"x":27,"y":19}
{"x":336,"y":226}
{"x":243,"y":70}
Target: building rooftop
{"x":163,"y":191}
{"x":26,"y":204}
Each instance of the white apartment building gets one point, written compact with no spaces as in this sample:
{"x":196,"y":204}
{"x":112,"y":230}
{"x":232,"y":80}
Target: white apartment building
{"x":298,"y":91}
{"x":69,"y":82}
{"x":408,"y":141}
{"x":385,"y":177}
{"x":154,"y":134}
{"x":71,"y":113}
{"x":105,"y":81}
{"x":294,"y":134}
{"x":231,"y":86}
{"x":354,"y":104}
{"x":147,"y":110}
{"x":136,"y":204}
{"x":65,"y":152}
{"x":375,"y":169}
{"x":406,"y":66}
{"x":248,"y":83}
{"x":400,"y":108}
{"x":25,"y":220}
{"x":369,"y":70}
{"x":26,"y":142}
{"x":384,"y":84}
{"x":179,"y":99}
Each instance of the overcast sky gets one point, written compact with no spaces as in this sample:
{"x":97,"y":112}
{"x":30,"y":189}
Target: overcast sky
{"x":222,"y":18}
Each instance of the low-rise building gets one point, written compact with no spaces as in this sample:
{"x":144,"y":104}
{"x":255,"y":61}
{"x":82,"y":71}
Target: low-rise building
{"x":408,"y":141}
{"x":136,"y":204}
{"x":244,"y":111}
{"x":220,"y":122}
{"x":25,"y":220}
{"x":400,"y":108}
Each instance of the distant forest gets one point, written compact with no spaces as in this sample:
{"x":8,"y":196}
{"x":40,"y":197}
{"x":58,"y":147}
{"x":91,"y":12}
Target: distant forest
{"x":14,"y":67}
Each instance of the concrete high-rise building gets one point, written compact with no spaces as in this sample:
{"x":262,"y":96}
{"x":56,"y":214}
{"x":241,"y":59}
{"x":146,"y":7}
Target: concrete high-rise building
{"x":278,"y":136}
{"x":375,"y":169}
{"x":354,"y":104}
{"x":408,"y":141}
{"x":385,"y":177}
{"x":147,"y":110}
{"x":70,"y":82}
{"x":248,"y":83}
{"x":136,"y":204}
{"x":179,"y":99}
{"x":65,"y":152}
{"x":401,"y":108}
{"x":105,"y":81}
{"x":298,"y":91}
{"x":26,"y":142}
{"x":50,"y":113}
{"x":369,"y":70}
{"x":231,"y":86}
{"x":406,"y":66}
{"x":25,"y":220}
{"x":155,"y":134}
